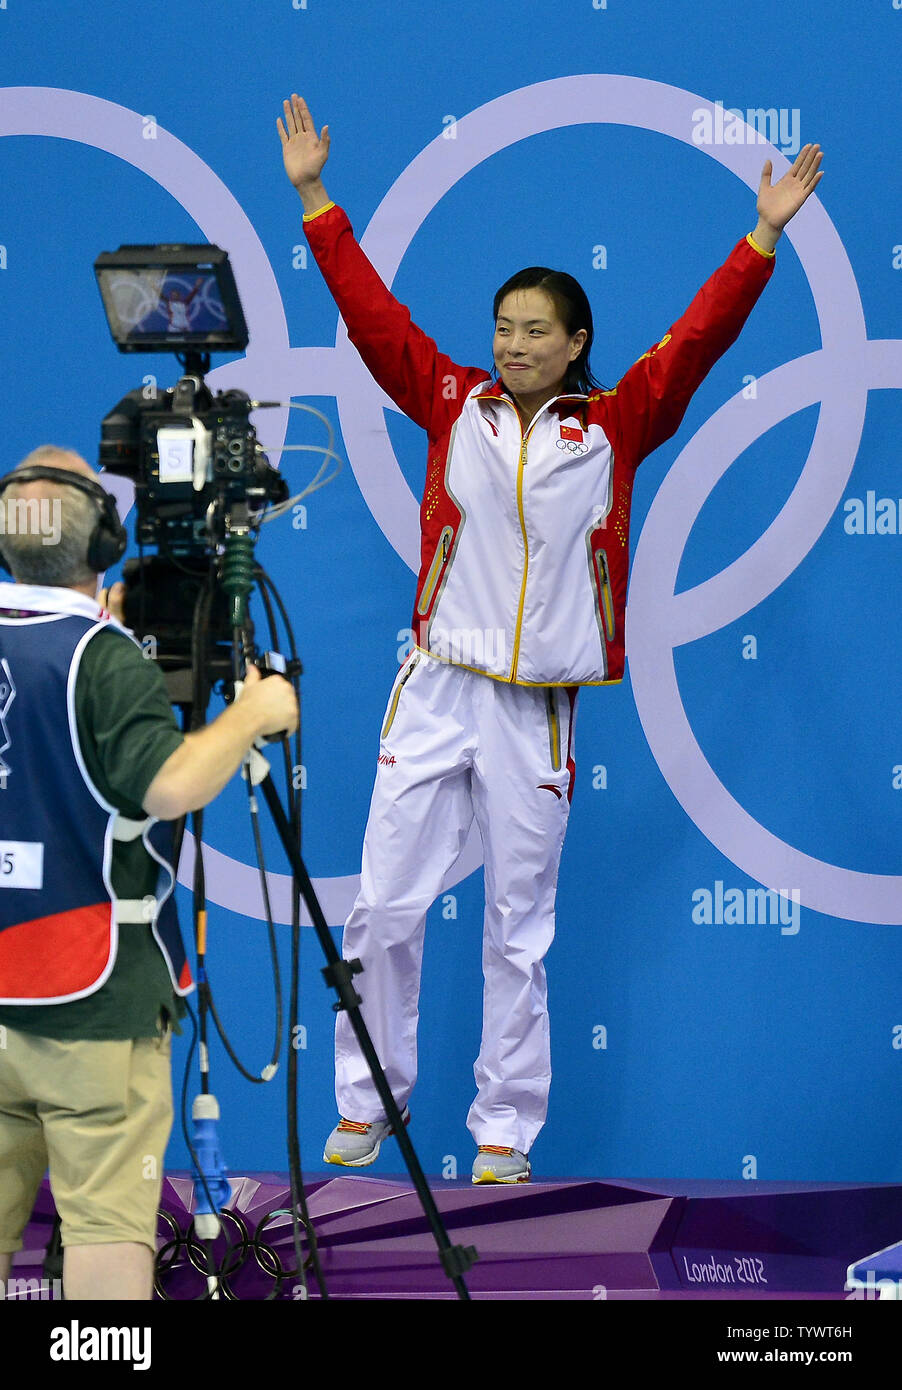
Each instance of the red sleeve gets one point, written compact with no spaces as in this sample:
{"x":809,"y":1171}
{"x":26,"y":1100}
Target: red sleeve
{"x":651,"y":399}
{"x":422,"y":381}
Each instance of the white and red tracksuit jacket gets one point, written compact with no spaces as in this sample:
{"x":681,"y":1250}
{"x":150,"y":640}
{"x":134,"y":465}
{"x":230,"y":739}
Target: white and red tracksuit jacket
{"x":525,"y":537}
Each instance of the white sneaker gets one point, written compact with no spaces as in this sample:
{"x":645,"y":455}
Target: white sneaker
{"x":494,"y":1163}
{"x":356,"y":1143}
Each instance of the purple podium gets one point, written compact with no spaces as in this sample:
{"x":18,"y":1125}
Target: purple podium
{"x":563,"y":1240}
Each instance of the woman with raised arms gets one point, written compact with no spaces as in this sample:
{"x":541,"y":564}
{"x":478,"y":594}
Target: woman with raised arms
{"x":520,"y":600}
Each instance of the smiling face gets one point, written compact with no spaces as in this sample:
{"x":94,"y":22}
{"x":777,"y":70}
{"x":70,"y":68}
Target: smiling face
{"x":532,"y":348}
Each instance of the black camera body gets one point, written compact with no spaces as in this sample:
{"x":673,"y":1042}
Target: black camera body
{"x":202,"y":481}
{"x":192,"y":458}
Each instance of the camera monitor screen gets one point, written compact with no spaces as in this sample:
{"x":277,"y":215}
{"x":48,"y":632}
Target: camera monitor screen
{"x":170,"y":297}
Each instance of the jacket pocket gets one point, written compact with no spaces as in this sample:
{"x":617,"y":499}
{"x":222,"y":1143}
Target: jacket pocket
{"x":554,"y":728}
{"x":439,"y":560}
{"x":393,"y":705}
{"x":604,"y":594}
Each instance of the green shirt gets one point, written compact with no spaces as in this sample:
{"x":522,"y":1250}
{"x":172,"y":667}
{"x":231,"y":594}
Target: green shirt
{"x":127,"y":730}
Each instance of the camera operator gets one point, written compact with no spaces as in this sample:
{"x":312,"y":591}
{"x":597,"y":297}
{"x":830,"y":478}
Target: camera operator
{"x":92,"y":966}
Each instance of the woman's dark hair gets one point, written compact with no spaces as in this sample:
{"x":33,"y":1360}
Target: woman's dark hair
{"x":573,"y":310}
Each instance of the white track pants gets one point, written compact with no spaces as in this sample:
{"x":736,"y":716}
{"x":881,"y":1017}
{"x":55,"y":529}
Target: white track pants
{"x":456,"y":744}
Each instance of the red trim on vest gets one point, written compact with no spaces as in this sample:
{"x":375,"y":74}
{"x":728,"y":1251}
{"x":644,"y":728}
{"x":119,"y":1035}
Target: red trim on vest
{"x":57,"y":955}
{"x":185,"y":977}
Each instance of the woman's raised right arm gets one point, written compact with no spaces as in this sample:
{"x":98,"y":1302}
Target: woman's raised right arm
{"x":423,"y":382}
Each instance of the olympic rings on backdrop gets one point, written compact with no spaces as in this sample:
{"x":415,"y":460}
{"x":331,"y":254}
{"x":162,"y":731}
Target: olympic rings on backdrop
{"x":658,"y":619}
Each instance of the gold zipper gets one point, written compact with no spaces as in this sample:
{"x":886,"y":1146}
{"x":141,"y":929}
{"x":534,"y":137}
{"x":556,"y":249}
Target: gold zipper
{"x":521,"y":465}
{"x":553,"y":731}
{"x":435,"y":569}
{"x":390,"y":717}
{"x":607,"y":599}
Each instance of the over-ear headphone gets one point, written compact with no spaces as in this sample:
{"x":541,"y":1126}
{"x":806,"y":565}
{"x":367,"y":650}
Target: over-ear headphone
{"x":109,"y":537}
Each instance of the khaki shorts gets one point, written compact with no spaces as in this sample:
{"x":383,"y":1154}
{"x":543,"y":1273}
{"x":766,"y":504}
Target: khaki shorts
{"x":98,"y":1114}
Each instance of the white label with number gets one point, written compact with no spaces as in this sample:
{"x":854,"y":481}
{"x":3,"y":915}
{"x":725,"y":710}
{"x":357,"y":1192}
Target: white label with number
{"x":21,"y":864}
{"x":176,"y":452}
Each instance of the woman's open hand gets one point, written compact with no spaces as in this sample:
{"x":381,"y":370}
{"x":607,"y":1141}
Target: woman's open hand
{"x":303,"y":151}
{"x":780,"y":201}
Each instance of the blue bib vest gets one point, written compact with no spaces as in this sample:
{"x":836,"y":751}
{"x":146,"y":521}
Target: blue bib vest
{"x":59,"y":916}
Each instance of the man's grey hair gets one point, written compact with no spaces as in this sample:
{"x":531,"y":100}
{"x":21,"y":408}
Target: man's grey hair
{"x":34,"y":553}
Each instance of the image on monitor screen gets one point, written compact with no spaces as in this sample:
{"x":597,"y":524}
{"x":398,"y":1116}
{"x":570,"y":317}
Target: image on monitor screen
{"x":154,"y":303}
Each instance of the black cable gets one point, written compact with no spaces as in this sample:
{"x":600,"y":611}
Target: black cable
{"x":294,"y":802}
{"x":256,"y":1079}
{"x":200,"y":627}
{"x":200,"y":694}
{"x":259,"y":1078}
{"x":294,"y":793}
{"x":270,"y":924}
{"x":196,"y":720}
{"x":298,"y":1194}
{"x":266,"y":586}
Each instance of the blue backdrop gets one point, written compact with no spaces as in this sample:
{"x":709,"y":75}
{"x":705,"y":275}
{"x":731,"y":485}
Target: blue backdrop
{"x":698,"y":1028}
